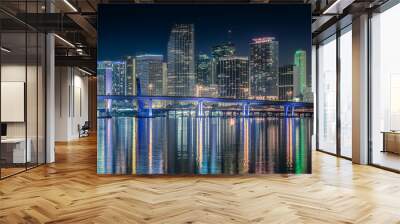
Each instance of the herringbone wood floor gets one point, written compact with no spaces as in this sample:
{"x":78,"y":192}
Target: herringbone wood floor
{"x":69,"y":191}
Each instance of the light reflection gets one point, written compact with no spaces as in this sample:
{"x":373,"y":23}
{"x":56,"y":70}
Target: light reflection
{"x":231,"y":121}
{"x":150,"y":154}
{"x":203,"y":145}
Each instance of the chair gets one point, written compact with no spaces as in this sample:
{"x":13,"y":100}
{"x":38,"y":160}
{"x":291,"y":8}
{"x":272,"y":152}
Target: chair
{"x":84,"y":130}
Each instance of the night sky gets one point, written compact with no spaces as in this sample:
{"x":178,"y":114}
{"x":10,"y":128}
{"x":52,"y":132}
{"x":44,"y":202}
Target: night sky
{"x":137,"y":29}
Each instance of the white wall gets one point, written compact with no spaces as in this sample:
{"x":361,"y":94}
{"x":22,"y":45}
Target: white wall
{"x":71,"y":102}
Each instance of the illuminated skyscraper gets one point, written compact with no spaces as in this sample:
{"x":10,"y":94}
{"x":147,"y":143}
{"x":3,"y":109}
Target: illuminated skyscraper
{"x":233,"y":77}
{"x":165,"y":78}
{"x":181,"y":67}
{"x":300,"y":61}
{"x":264,"y":65}
{"x":285,"y":82}
{"x":203,"y":70}
{"x":104,"y":78}
{"x":226,"y":49}
{"x":118,"y":78}
{"x":149,"y":70}
{"x":130,"y":76}
{"x":223,"y":50}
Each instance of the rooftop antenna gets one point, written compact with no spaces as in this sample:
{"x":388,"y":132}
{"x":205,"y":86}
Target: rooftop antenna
{"x":229,"y":36}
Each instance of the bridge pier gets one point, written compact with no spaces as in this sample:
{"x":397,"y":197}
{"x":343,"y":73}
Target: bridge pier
{"x":150,"y":108}
{"x":285,"y":110}
{"x":289,"y":110}
{"x":246,"y":109}
{"x":200,"y":109}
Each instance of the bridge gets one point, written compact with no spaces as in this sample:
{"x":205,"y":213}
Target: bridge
{"x":288,"y":106}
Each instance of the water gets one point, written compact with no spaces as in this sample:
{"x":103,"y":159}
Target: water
{"x":187,"y":145}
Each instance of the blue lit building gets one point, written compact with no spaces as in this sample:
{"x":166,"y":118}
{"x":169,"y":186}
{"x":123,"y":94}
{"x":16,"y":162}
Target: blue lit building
{"x":149,"y":71}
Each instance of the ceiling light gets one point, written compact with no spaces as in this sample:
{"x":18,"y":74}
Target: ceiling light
{"x":337,"y":7}
{"x":5,"y":50}
{"x":64,"y":40}
{"x":327,"y":11}
{"x":84,"y":71}
{"x":70,"y":5}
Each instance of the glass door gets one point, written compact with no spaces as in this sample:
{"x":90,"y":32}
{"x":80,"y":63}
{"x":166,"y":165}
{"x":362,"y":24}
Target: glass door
{"x":326,"y":101}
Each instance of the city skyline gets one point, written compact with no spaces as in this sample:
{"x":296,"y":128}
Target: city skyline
{"x":144,"y":29}
{"x":223,"y":70}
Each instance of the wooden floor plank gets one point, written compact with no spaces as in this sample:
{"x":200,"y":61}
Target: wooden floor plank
{"x":70,"y":191}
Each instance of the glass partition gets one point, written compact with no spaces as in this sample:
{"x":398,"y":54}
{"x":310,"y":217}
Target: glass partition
{"x":385,"y":89}
{"x":13,"y":114}
{"x":31,"y":97}
{"x":327,"y":95}
{"x":346,"y":92}
{"x":22,"y":77}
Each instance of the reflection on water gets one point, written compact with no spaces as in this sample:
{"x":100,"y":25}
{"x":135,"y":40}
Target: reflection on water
{"x":203,"y":145}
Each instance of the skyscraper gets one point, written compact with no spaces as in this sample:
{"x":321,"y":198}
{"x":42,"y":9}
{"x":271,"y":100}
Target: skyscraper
{"x":165,"y":78}
{"x":181,"y":68}
{"x":285,"y":82}
{"x":226,"y":49}
{"x":233,"y":77}
{"x":264,"y":65}
{"x":130,"y":76}
{"x":104,"y":78}
{"x":149,"y":70}
{"x":300,"y":61}
{"x":203,"y":70}
{"x":118,"y":78}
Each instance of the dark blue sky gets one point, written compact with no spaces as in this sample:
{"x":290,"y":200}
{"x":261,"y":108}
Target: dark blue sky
{"x":137,"y":28}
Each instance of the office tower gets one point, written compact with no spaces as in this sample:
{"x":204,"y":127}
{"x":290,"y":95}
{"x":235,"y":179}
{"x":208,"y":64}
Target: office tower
{"x":104,"y":78}
{"x":203,"y":70}
{"x":149,"y":70}
{"x":223,"y":50}
{"x":226,"y":49}
{"x":165,"y":78}
{"x":286,"y":82}
{"x":300,"y":61}
{"x":233,"y":77}
{"x":118,"y":78}
{"x":264,"y":65}
{"x":181,"y":68}
{"x":130,"y":75}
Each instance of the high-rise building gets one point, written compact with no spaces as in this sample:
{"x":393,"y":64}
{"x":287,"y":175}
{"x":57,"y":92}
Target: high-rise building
{"x":165,"y":78}
{"x":104,"y":78}
{"x":226,"y":49}
{"x":130,"y":76}
{"x":286,"y":82}
{"x":181,"y":67}
{"x":300,"y":61}
{"x":203,"y":70}
{"x":233,"y":77}
{"x":223,"y":50}
{"x":149,"y":71}
{"x":264,"y":65}
{"x":118,"y":78}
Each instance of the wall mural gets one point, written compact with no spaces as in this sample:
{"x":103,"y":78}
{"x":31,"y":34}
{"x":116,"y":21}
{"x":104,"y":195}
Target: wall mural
{"x":204,"y":89}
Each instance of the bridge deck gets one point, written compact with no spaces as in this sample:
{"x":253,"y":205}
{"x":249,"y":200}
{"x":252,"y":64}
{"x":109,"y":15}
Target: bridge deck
{"x":209,"y":99}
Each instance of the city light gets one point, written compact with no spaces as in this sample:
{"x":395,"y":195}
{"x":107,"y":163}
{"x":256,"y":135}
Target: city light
{"x":263,"y":40}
